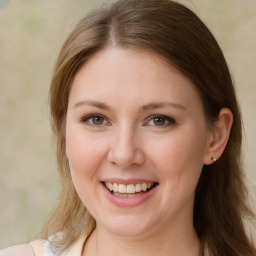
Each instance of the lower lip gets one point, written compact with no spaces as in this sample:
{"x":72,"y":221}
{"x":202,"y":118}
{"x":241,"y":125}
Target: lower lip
{"x":127,"y":202}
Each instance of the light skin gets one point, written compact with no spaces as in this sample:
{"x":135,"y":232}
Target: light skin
{"x":133,"y":118}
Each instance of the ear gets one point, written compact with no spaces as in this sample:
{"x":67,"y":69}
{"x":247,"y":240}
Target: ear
{"x":219,"y":136}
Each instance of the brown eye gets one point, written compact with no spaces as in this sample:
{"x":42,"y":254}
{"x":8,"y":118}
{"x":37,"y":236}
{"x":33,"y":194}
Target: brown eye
{"x":98,"y":120}
{"x":159,"y":121}
{"x":94,"y":120}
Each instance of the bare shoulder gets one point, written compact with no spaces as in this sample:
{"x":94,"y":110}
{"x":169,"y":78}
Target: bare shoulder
{"x":21,"y":250}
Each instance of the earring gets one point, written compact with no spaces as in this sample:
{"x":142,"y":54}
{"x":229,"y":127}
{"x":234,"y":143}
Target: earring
{"x":213,"y":159}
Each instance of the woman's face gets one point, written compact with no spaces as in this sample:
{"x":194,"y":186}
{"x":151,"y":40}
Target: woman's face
{"x":136,"y":141}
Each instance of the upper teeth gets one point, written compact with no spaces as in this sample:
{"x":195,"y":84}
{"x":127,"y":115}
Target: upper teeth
{"x":131,"y":188}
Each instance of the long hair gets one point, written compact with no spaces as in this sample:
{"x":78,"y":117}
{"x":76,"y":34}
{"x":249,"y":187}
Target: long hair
{"x":174,"y":32}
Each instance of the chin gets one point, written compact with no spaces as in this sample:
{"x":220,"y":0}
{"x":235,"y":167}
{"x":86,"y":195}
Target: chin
{"x":128,"y":226}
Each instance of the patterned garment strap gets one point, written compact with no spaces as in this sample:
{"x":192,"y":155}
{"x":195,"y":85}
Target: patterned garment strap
{"x":44,"y":248}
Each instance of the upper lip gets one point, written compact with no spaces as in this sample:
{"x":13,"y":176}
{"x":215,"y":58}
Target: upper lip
{"x":128,"y":181}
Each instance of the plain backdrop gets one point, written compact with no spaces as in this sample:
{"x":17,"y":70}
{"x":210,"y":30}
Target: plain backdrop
{"x":31,"y":34}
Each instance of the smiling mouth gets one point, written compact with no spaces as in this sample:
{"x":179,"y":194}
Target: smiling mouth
{"x":130,"y":190}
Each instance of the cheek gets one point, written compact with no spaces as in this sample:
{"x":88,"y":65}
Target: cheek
{"x":85,"y":156}
{"x":84,"y":153}
{"x":181,"y":150}
{"x":179,"y":163}
{"x":179,"y":158}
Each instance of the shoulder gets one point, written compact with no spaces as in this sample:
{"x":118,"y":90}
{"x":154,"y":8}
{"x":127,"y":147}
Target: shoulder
{"x":21,"y":250}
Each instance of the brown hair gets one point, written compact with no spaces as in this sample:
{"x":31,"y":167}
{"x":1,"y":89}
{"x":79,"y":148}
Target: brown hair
{"x":174,"y":32}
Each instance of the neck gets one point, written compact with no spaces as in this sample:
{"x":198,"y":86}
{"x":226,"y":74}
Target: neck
{"x":171,"y":242}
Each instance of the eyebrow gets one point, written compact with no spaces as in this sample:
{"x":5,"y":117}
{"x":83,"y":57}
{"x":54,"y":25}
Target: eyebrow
{"x":147,"y":107}
{"x":93,"y":103}
{"x":157,"y":105}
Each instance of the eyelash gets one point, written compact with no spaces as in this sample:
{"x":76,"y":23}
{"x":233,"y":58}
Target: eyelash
{"x":170,"y":120}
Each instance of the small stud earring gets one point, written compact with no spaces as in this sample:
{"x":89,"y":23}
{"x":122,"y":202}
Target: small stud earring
{"x":213,"y":159}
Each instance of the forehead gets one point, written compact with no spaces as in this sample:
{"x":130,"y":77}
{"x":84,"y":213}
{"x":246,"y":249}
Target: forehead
{"x":132,"y":75}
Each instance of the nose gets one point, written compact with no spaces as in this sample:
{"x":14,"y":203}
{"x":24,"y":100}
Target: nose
{"x":126,"y":151}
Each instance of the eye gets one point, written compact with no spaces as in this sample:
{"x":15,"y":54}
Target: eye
{"x":161,"y":121}
{"x":94,"y":120}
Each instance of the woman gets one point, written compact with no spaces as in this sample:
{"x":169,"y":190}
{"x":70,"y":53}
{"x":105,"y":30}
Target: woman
{"x":148,"y":139}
